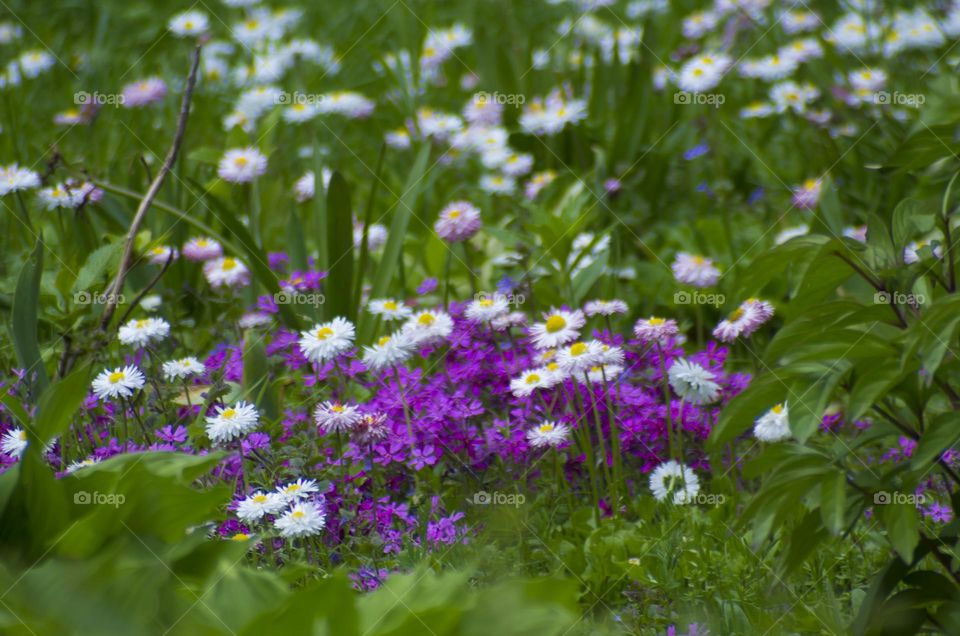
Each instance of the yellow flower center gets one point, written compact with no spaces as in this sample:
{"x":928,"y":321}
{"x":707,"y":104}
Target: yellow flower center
{"x":188,"y":25}
{"x":426,"y":320}
{"x":383,"y":341}
{"x":240,"y":537}
{"x":141,"y":324}
{"x":337,"y":408}
{"x":555,"y":323}
{"x":115,"y":377}
{"x":578,"y":349}
{"x":546,"y":428}
{"x":324,"y":332}
{"x":260,"y":499}
{"x":656,"y":322}
{"x":453,"y":214}
{"x":736,"y":314}
{"x":553,"y":366}
{"x":699,"y":260}
{"x":298,"y":514}
{"x":486,"y":302}
{"x":228,"y":264}
{"x":533,"y":378}
{"x":390,"y":305}
{"x":241,"y":161}
{"x":778,"y":409}
{"x":229,"y":414}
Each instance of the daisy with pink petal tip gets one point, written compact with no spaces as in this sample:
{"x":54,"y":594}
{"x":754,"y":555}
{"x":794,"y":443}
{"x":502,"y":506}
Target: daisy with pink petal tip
{"x":202,"y":249}
{"x":242,"y":165}
{"x":226,"y":272}
{"x":807,"y":195}
{"x":744,"y":320}
{"x":655,"y":330}
{"x":695,"y":270}
{"x":458,"y":222}
{"x":605,"y":307}
{"x":143,"y":92}
{"x":160,"y":254}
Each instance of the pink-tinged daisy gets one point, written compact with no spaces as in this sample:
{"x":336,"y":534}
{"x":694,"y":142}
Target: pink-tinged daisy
{"x":458,"y":222}
{"x":334,"y":417}
{"x":160,"y":254}
{"x":13,"y":178}
{"x":428,"y":327}
{"x":143,"y":92}
{"x":371,"y":428}
{"x":695,"y":270}
{"x":692,"y":382}
{"x":508,"y":321}
{"x":202,"y":249}
{"x":807,"y":195}
{"x":229,"y":423}
{"x":558,"y":328}
{"x":389,"y":309}
{"x":226,"y":271}
{"x":605,"y":307}
{"x":579,"y":357}
{"x":388,"y":351}
{"x":548,"y":434}
{"x":744,"y":320}
{"x":242,"y":165}
{"x":655,"y":330}
{"x":140,"y":333}
{"x":487,"y":308}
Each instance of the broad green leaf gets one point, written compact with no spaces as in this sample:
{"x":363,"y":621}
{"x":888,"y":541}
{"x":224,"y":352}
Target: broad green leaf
{"x":902,"y":527}
{"x":26,"y":301}
{"x":338,"y":286}
{"x":942,"y":433}
{"x":833,"y":501}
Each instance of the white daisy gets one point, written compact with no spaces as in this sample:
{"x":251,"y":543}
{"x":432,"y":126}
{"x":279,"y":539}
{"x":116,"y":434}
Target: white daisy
{"x":82,"y":463}
{"x":188,"y":23}
{"x":558,"y":328}
{"x":304,"y":519}
{"x":529,"y":381}
{"x":579,"y":357}
{"x":182,"y":368}
{"x":242,"y":165}
{"x":388,"y":351}
{"x":428,"y":327}
{"x":692,"y":382}
{"x":695,"y":270}
{"x":297,"y":490}
{"x":121,"y":382}
{"x":774,"y":425}
{"x":327,"y":340}
{"x":226,"y":271}
{"x":670,"y":479}
{"x":389,"y":309}
{"x":140,"y":333}
{"x":232,"y":422}
{"x":13,"y":178}
{"x":605,"y":307}
{"x":254,"y":507}
{"x":548,"y":433}
{"x":487,"y":308}
{"x":14,"y":442}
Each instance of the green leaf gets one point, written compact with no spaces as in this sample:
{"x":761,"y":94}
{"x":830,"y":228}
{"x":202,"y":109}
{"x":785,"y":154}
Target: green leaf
{"x":101,"y":260}
{"x":833,"y":501}
{"x":256,"y":375}
{"x":26,"y":301}
{"x":902,"y":526}
{"x":339,"y":283}
{"x":942,"y":433}
{"x":59,"y":403}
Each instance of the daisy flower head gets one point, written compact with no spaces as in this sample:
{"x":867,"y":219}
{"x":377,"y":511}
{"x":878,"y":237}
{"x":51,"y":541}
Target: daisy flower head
{"x":144,"y":331}
{"x":34,"y":62}
{"x":372,"y":427}
{"x":298,"y":490}
{"x":428,"y":327}
{"x":695,"y":270}
{"x":774,"y":425}
{"x":226,"y":271}
{"x":143,"y":92}
{"x":14,"y":442}
{"x":579,"y":357}
{"x":334,"y":417}
{"x":229,"y":423}
{"x":182,"y":368}
{"x":676,"y":481}
{"x":692,"y":382}
{"x":202,"y":249}
{"x":60,"y":196}
{"x":703,"y":72}
{"x":260,"y":503}
{"x":486,"y":307}
{"x":82,"y":463}
{"x":605,"y":307}
{"x":558,"y":328}
{"x":600,"y":373}
{"x":548,"y":434}
{"x":655,"y":330}
{"x":389,"y":309}
{"x":120,"y":382}
{"x":388,"y":351}
{"x":744,"y":320}
{"x":304,"y":519}
{"x":242,"y":165}
{"x":509,"y":320}
{"x":188,"y":23}
{"x":160,"y":254}
{"x":13,"y":178}
{"x":327,"y":340}
{"x":807,"y":195}
{"x":458,"y":222}
{"x":531,"y":380}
